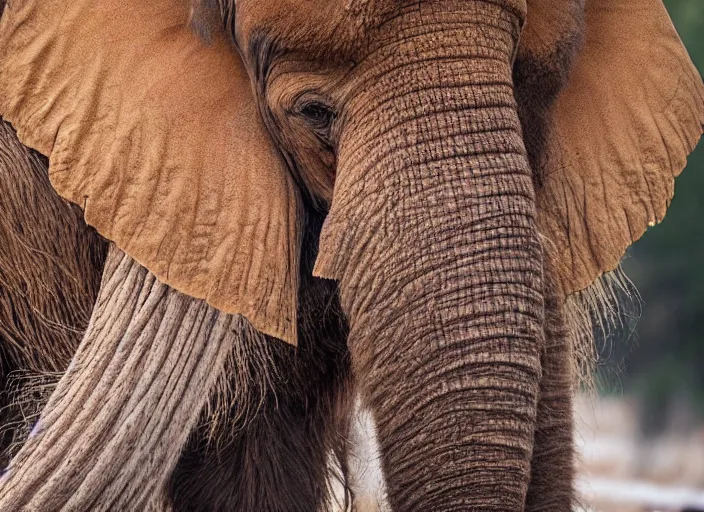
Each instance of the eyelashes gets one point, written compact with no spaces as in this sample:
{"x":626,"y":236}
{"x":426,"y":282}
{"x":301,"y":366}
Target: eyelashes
{"x":319,"y":118}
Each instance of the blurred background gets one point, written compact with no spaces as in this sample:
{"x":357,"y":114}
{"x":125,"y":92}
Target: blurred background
{"x":642,"y":438}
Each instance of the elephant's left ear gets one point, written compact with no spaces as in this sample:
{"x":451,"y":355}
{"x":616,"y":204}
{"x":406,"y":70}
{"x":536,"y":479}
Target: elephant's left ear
{"x":156,"y":134}
{"x":618,"y":133}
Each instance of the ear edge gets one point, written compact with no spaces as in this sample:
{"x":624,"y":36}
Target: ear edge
{"x":282,"y":331}
{"x":636,"y":183}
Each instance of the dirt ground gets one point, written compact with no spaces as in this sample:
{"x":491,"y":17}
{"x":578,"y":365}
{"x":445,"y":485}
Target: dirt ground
{"x":623,"y":472}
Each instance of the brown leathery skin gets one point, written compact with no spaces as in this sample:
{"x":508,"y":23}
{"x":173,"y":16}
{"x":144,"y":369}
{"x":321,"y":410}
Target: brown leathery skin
{"x":619,"y":132}
{"x":465,"y":308}
{"x":161,"y":144}
{"x":465,"y":195}
{"x":552,"y":470}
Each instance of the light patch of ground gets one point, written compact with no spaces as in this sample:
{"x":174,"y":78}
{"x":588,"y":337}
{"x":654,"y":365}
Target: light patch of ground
{"x":619,"y":471}
{"x":622,"y":472}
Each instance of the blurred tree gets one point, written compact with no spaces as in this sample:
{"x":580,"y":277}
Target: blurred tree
{"x":663,"y":364}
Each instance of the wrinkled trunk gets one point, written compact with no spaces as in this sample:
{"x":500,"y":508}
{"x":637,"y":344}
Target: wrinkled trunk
{"x":440,"y":266}
{"x":113,"y":428}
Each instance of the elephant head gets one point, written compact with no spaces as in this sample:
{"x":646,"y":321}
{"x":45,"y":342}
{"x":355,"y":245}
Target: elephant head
{"x":476,"y":162}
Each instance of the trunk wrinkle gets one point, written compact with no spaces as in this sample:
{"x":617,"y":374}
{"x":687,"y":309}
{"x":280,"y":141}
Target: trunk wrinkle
{"x":432,"y":236}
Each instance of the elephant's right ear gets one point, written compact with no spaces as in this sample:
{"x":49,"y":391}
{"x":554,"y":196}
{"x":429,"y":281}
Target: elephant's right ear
{"x":629,"y":109}
{"x":156,"y":134}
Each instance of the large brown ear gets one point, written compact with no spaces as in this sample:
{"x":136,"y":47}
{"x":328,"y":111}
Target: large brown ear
{"x":617,"y":134}
{"x":156,"y":134}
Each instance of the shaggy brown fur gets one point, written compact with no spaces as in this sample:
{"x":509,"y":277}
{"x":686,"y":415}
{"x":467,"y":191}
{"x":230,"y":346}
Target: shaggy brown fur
{"x":280,"y":413}
{"x":50,"y":267}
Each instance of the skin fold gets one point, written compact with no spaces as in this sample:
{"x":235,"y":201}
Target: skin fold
{"x":390,"y":214}
{"x":285,"y":412}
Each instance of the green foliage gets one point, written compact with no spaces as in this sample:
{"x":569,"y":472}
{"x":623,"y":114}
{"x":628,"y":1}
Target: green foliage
{"x":666,"y":363}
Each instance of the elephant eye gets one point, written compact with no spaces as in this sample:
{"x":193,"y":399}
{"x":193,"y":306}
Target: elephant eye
{"x":319,"y":117}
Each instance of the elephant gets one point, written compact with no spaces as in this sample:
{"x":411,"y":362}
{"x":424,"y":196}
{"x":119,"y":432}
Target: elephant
{"x":233,"y":228}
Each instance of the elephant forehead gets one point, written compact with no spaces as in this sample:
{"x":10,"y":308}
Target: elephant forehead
{"x":339,"y":29}
{"x":329,"y":26}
